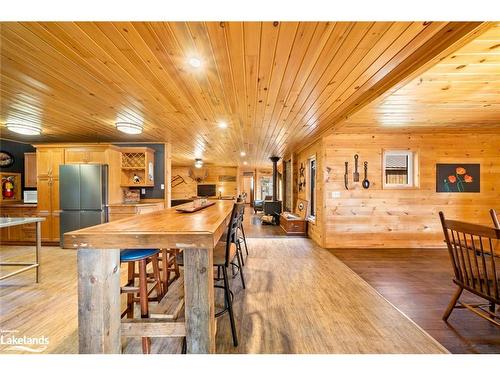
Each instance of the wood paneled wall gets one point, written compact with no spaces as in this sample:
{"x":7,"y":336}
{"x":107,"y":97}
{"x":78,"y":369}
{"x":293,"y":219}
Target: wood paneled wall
{"x":315,"y":229}
{"x":377,"y":218}
{"x":188,"y":189}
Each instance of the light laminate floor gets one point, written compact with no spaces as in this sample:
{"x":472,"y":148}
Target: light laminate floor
{"x":299,"y":299}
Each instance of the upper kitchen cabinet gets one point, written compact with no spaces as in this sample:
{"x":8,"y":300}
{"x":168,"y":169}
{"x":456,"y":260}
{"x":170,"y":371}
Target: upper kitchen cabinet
{"x":137,"y":167}
{"x":48,"y":160}
{"x":86,"y":155}
{"x":30,"y":170}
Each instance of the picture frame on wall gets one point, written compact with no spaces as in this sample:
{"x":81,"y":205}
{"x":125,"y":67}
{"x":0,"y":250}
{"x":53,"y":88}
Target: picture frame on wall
{"x":458,"y":178}
{"x":6,"y":159}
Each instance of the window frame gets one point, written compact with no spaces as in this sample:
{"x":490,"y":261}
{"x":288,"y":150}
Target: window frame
{"x":312,"y":203}
{"x":412,"y":168}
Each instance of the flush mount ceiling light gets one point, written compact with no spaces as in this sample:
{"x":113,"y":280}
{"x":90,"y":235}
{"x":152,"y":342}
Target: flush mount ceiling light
{"x":194,"y":62}
{"x":24,"y":129}
{"x":198,"y":163}
{"x":223,"y":125}
{"x":129,"y":128}
{"x":243,"y":153}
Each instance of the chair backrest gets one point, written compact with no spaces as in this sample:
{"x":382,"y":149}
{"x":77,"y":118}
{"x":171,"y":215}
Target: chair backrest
{"x":472,"y":254}
{"x":494,"y":217}
{"x":232,"y":228}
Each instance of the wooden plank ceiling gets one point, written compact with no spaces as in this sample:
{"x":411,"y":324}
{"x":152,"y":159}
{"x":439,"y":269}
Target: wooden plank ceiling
{"x":462,"y":92}
{"x":277,"y":84}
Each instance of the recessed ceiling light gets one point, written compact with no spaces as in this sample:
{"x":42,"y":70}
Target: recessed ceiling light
{"x":24,"y":129}
{"x":245,"y":163}
{"x":129,"y":128}
{"x":194,"y":62}
{"x":243,"y":153}
{"x":223,"y":125}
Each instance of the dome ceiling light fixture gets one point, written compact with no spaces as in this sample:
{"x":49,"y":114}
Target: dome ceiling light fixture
{"x":198,"y":163}
{"x":24,"y":129}
{"x":129,"y":127}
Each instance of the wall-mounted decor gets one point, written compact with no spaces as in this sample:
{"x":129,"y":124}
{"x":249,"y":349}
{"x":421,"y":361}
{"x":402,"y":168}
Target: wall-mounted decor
{"x":227,"y":178}
{"x":327,"y":174}
{"x":458,"y":178}
{"x":302,"y":177}
{"x":366,"y":183}
{"x":198,"y":174}
{"x":6,"y":159}
{"x":355,"y":174}
{"x":346,"y":175}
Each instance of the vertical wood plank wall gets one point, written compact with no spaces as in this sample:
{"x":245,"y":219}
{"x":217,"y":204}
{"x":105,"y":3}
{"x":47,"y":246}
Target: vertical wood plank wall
{"x":377,"y":218}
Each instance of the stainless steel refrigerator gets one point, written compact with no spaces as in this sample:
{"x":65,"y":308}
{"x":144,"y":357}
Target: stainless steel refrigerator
{"x":83,"y":194}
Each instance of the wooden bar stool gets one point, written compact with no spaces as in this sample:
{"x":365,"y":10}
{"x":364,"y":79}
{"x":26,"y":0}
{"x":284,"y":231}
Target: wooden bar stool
{"x":141,"y":257}
{"x":168,"y":266}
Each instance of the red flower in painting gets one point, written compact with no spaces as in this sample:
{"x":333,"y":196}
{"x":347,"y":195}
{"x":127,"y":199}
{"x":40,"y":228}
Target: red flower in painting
{"x":461,"y":170}
{"x":452,"y":179}
{"x":468,"y":178}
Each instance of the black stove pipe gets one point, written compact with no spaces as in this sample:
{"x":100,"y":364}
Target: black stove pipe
{"x":275,"y":159}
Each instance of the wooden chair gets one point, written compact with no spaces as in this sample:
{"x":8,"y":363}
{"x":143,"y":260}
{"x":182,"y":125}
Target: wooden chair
{"x":494,"y":217}
{"x":476,"y":267}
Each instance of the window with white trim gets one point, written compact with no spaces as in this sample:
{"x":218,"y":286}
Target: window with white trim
{"x":399,"y":169}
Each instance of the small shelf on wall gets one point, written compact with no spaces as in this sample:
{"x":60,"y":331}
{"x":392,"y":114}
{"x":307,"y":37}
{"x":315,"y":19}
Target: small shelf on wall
{"x":137,"y":167}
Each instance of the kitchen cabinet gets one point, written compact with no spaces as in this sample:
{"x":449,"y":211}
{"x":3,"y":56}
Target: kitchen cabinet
{"x":48,"y":160}
{"x":22,"y":233}
{"x":85,"y":155}
{"x":30,"y":170}
{"x":137,"y":166}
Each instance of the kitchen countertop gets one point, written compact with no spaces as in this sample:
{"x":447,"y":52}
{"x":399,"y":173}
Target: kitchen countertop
{"x":21,"y":204}
{"x":13,"y":221}
{"x":140,"y":203}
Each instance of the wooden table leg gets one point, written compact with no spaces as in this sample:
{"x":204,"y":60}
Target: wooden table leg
{"x":199,"y":300}
{"x":99,"y":301}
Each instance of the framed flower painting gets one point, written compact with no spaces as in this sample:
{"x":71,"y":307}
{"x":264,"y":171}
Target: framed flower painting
{"x":458,"y":178}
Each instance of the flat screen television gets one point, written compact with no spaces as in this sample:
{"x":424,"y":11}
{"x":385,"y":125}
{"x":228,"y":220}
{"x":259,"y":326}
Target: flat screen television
{"x":207,"y":190}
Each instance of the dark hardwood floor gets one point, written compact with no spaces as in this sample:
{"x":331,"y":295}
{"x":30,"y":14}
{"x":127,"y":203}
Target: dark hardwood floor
{"x":418,"y":282}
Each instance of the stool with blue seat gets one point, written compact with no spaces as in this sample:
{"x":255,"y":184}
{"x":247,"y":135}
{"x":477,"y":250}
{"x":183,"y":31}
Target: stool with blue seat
{"x":142,"y":257}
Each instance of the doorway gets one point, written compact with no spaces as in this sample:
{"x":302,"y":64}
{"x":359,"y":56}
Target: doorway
{"x":248,"y":184}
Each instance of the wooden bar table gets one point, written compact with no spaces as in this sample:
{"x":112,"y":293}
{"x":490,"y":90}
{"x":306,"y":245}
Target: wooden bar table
{"x":99,"y":271}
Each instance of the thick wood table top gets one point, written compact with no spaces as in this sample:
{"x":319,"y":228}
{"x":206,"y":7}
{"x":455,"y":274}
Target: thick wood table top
{"x":163,"y":228}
